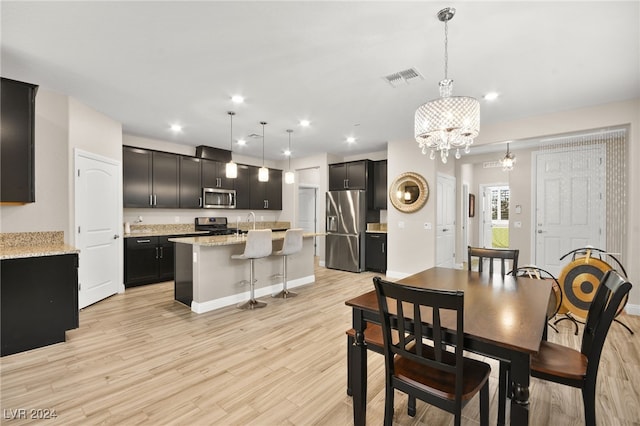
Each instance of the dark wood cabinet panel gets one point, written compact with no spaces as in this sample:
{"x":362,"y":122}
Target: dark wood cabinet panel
{"x":137,"y":169}
{"x":165,"y":180}
{"x":17,"y":121}
{"x":380,"y":185}
{"x":39,"y":297}
{"x":337,"y":176}
{"x":376,"y":252}
{"x":165,"y":259}
{"x":214,"y":175}
{"x":242,"y":185}
{"x":352,"y":175}
{"x":141,"y":260}
{"x":190,"y":188}
{"x":266,"y":195}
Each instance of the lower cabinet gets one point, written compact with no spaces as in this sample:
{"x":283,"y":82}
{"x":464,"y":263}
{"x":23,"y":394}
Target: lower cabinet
{"x":39,"y":297}
{"x":148,"y":260}
{"x":376,"y":252}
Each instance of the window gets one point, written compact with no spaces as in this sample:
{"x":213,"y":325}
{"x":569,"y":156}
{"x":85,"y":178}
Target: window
{"x":500,"y":203}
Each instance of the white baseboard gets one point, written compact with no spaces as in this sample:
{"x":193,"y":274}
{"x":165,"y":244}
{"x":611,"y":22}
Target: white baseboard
{"x":632,"y":309}
{"x":211,"y":305}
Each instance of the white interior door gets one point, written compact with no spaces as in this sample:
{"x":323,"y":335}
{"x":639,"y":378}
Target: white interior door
{"x":570,"y":200}
{"x":446,"y":221}
{"x":307,"y":202}
{"x":98,"y":227}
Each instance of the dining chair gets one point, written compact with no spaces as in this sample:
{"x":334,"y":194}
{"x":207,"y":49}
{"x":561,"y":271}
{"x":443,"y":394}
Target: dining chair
{"x":579,"y":369}
{"x":424,"y":371}
{"x":492,"y":254}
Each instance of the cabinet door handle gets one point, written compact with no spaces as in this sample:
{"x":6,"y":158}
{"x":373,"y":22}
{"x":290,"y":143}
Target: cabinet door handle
{"x":344,"y":183}
{"x":143,"y":241}
{"x":155,"y":200}
{"x":383,"y":247}
{"x":156,"y":252}
{"x":218,"y":182}
{"x":200,"y":202}
{"x":161,"y":252}
{"x":265,"y":203}
{"x":115,"y":237}
{"x":150,"y":199}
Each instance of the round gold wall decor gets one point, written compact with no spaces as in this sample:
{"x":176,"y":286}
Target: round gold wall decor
{"x":409,"y":192}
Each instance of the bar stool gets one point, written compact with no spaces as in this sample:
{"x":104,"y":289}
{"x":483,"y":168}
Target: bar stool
{"x":258,"y":245}
{"x":292,"y":244}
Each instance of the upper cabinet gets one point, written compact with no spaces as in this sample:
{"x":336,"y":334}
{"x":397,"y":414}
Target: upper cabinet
{"x":150,"y":178}
{"x":17,"y":119}
{"x":351,"y":175}
{"x":214,"y":175}
{"x":242,"y":185}
{"x":190,"y":189}
{"x":266,"y":195}
{"x":380,"y":185}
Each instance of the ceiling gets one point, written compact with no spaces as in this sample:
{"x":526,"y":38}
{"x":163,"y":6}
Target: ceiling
{"x":151,"y":64}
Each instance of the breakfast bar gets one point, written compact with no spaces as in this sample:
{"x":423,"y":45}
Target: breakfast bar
{"x":206,"y":278}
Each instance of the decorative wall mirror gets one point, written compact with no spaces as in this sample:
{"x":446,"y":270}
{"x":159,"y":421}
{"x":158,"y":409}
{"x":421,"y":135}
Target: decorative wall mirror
{"x":409,"y":192}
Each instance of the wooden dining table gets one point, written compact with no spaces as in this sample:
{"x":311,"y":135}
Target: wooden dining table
{"x":504,"y":318}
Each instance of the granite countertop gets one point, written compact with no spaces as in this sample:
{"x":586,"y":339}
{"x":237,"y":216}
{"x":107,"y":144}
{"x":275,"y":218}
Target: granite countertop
{"x":160,"y":233}
{"x":227,"y":240}
{"x":19,"y":245}
{"x":376,"y":228}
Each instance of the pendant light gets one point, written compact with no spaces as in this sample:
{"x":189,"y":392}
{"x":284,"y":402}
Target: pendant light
{"x":289,"y":176}
{"x":232,"y":168}
{"x":508,"y":161}
{"x":263,"y":172}
{"x":449,"y":122}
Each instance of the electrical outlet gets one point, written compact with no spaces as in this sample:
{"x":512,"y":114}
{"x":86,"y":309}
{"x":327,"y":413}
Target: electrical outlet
{"x":401,"y":225}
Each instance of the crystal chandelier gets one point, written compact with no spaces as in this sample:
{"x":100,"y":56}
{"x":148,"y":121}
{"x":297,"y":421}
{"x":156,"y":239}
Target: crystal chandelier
{"x":449,"y":122}
{"x":232,"y":168}
{"x":263,"y":172}
{"x":289,"y":177}
{"x":508,"y":161}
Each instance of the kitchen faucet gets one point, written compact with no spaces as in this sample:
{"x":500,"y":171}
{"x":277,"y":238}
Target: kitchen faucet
{"x":252,"y":215}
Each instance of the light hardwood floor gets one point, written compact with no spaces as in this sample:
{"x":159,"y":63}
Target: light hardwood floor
{"x":142,"y":358}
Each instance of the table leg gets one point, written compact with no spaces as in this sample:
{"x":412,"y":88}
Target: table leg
{"x":520,"y":376}
{"x":359,"y":370}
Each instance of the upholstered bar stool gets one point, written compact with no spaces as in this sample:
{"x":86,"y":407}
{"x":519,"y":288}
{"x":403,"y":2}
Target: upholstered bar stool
{"x":258,"y":245}
{"x":292,"y":244}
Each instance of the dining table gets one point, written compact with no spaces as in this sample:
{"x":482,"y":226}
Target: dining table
{"x":504,"y":319}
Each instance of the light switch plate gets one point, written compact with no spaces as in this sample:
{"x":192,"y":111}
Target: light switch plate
{"x":401,"y":225}
{"x":427,"y":225}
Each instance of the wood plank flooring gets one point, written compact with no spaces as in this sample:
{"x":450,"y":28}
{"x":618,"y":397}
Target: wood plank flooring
{"x":142,"y":358}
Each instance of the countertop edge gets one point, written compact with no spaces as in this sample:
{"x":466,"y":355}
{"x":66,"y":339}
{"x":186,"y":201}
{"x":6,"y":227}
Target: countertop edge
{"x":227,"y":240}
{"x":36,"y":251}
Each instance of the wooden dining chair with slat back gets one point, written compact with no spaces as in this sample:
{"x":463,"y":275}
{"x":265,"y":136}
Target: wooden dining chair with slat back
{"x":492,"y":255}
{"x":424,"y":371}
{"x":579,"y":369}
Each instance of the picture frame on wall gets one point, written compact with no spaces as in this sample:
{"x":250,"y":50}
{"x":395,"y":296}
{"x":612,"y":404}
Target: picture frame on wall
{"x":472,"y":205}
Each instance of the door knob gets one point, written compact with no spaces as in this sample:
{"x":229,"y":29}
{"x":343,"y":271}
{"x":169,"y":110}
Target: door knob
{"x":115,"y":237}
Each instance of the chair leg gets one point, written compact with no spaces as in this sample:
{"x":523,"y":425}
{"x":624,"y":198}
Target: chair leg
{"x":388,"y":405}
{"x":350,"y":342}
{"x":484,"y":404}
{"x":284,"y":293}
{"x":503,"y":390}
{"x":411,"y":409}
{"x":589,"y":402}
{"x":252,"y":303}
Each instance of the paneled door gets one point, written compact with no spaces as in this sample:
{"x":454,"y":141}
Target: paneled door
{"x":446,"y":220}
{"x":570,"y":204}
{"x":98,"y":223}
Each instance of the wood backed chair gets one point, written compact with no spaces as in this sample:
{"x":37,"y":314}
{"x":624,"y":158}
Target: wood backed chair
{"x":579,"y":369}
{"x":428,"y":372}
{"x":491,"y":254}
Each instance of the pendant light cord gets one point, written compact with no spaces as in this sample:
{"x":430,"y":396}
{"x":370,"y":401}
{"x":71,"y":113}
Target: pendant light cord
{"x":446,"y":51}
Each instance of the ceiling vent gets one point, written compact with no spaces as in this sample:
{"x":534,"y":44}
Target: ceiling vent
{"x":254,"y":136}
{"x":491,"y":164}
{"x":403,"y":77}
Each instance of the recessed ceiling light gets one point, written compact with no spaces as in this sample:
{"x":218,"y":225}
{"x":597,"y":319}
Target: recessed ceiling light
{"x":491,"y":96}
{"x":176,"y":128}
{"x":287,"y":152}
{"x":237,"y":99}
{"x":242,"y":142}
{"x":305,"y":123}
{"x":351,"y":139}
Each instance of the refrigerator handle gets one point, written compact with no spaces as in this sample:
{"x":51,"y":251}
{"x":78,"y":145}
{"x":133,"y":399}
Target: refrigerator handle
{"x":332,"y":223}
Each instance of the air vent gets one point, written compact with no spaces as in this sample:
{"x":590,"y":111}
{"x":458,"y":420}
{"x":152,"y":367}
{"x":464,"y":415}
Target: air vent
{"x":254,"y":136}
{"x":404,"y":77}
{"x":491,"y":164}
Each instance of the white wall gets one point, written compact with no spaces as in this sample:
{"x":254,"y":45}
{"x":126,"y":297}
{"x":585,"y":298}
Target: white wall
{"x":50,"y":212}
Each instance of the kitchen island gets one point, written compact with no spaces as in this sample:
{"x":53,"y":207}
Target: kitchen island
{"x":206,"y":278}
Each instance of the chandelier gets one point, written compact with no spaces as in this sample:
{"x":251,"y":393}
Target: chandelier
{"x":449,"y":122}
{"x":508,"y":161}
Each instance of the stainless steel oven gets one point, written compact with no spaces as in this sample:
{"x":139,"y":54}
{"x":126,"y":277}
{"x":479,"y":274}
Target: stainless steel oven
{"x":215,"y":198}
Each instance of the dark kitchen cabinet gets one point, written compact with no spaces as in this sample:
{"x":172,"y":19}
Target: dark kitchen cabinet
{"x":150,"y":178}
{"x":39,"y":297}
{"x":190,"y":187}
{"x":351,"y":175}
{"x":380,"y":185}
{"x":214,"y":175}
{"x":17,"y":121}
{"x":148,"y":260}
{"x":242,"y":185}
{"x":376,"y":252}
{"x":267,"y":195}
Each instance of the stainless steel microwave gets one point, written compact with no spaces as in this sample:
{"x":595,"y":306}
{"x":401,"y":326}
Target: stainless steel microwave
{"x":215,"y":198}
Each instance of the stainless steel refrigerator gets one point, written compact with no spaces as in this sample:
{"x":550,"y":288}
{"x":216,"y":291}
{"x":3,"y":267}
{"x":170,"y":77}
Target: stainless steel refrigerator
{"x":346,"y":226}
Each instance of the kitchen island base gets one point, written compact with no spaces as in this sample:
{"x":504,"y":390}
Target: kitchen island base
{"x":206,"y":278}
